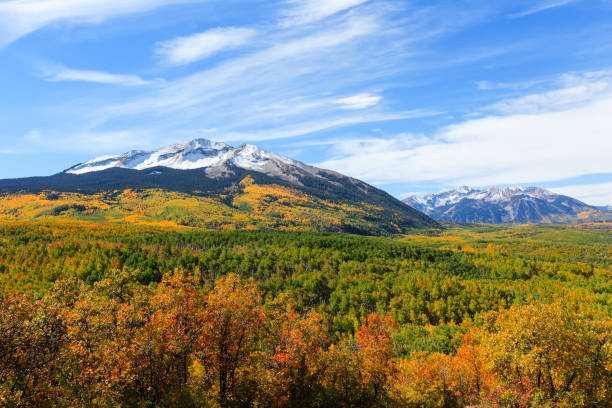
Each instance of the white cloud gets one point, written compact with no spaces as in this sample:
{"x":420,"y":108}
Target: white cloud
{"x":59,"y":74}
{"x":556,"y":99}
{"x":97,"y":142}
{"x":308,"y":127}
{"x":279,"y":81}
{"x":32,"y":135}
{"x":515,"y":148}
{"x":359,"y":101}
{"x":21,"y":17}
{"x":541,"y":7}
{"x":287,"y":84}
{"x":593,"y":194}
{"x":309,"y":11}
{"x":185,"y":50}
{"x":494,"y":86}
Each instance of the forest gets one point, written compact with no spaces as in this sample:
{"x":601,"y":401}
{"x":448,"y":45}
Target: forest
{"x":243,"y":204}
{"x":121,"y":315}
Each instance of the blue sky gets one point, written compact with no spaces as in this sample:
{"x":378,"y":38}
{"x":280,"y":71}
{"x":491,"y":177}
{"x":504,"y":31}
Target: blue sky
{"x":411,"y":96}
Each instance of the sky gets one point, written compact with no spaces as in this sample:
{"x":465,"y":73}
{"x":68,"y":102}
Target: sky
{"x":413,"y":97}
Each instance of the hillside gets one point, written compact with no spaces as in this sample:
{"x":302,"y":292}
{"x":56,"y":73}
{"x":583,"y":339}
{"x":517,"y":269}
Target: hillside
{"x":213,"y":186}
{"x":506,"y":205}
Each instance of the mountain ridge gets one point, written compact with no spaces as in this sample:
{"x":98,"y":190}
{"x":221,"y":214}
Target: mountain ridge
{"x":216,"y":157}
{"x":498,"y":205}
{"x":245,"y":187}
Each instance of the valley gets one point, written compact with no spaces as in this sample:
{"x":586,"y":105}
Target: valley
{"x":385,"y":316}
{"x":202,"y":275}
{"x":305,"y":204}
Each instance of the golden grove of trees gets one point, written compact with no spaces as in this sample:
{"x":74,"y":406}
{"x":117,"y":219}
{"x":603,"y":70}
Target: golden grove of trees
{"x":175,"y":344}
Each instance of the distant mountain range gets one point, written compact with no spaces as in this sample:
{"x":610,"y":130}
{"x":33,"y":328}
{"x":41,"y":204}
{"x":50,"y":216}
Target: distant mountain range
{"x":506,"y":205}
{"x":201,"y":183}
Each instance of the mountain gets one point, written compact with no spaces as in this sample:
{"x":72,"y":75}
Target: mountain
{"x":218,"y":160}
{"x":207,"y":184}
{"x":505,"y":205}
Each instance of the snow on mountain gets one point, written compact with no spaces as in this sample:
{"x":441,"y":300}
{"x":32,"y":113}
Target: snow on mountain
{"x":217,"y":171}
{"x":215,"y":157}
{"x":188,"y":155}
{"x":490,"y":195}
{"x":500,"y":205}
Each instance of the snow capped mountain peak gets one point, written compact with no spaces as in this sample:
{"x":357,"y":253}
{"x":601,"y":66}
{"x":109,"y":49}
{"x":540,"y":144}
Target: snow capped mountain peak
{"x":497,"y":204}
{"x":491,"y":195}
{"x":216,"y":157}
{"x":195,"y":144}
{"x":191,"y":154}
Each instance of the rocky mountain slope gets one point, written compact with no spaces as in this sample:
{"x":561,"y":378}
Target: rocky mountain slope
{"x":208,"y":184}
{"x":218,"y":160}
{"x":505,"y":205}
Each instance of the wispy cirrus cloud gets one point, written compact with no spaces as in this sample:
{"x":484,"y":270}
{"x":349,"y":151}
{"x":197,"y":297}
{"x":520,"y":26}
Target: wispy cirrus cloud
{"x":185,"y":50}
{"x":289,"y":80}
{"x":297,"y":80}
{"x":33,"y":135}
{"x":359,"y":101}
{"x":313,"y":126}
{"x":534,"y":142}
{"x":60,"y":73}
{"x":542,"y":6}
{"x":309,"y":11}
{"x":21,"y":17}
{"x":96,"y":142}
{"x":515,"y":86}
{"x":593,"y":194}
{"x":572,"y":90}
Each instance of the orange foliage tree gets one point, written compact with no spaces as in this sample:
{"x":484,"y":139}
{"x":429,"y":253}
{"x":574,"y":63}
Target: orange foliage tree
{"x":232,"y":321}
{"x":296,"y":345}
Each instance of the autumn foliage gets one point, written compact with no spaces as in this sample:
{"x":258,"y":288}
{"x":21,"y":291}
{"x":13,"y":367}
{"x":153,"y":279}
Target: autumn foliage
{"x":297,"y":320}
{"x":122,"y":344}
